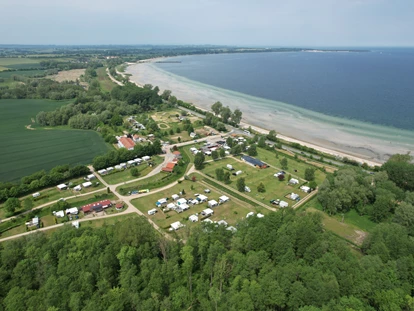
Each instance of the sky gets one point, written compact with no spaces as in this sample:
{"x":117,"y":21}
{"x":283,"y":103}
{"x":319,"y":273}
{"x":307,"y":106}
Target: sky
{"x":226,"y":22}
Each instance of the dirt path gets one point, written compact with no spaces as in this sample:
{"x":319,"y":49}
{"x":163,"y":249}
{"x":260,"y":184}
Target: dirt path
{"x":112,"y":78}
{"x":29,"y":127}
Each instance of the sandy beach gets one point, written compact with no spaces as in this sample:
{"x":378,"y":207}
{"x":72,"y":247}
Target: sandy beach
{"x":361,"y":141}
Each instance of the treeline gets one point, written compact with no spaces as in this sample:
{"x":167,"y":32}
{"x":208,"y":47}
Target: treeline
{"x":89,"y":110}
{"x":285,"y":261}
{"x":42,"y":88}
{"x":40,"y":180}
{"x":122,"y":155}
{"x":384,"y":195}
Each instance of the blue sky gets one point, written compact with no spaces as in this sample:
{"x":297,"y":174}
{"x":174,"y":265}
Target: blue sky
{"x":230,"y":22}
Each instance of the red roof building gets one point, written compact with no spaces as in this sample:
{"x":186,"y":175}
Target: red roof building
{"x":126,"y":142}
{"x":96,"y":206}
{"x":169,"y":168}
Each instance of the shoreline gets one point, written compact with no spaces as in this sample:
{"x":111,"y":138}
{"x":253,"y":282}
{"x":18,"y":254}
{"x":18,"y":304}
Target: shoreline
{"x":363,"y":142}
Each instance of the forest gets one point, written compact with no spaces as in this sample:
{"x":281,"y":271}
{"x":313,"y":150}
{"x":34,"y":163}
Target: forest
{"x":285,"y":261}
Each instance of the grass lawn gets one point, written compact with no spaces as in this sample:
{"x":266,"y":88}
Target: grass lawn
{"x":96,"y":222}
{"x":275,"y":189}
{"x":19,"y":63}
{"x":125,"y":175}
{"x":14,"y":231}
{"x":270,"y":158}
{"x":26,"y":73}
{"x":29,"y":151}
{"x":104,"y":81}
{"x":230,"y":211}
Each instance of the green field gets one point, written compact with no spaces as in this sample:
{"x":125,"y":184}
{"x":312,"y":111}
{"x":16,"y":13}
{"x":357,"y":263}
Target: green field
{"x":27,"y":151}
{"x":231,"y":211}
{"x":19,"y":63}
{"x":26,"y":73}
{"x":275,"y":189}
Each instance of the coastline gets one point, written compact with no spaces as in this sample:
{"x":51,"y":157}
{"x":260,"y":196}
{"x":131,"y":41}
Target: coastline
{"x":356,"y":140}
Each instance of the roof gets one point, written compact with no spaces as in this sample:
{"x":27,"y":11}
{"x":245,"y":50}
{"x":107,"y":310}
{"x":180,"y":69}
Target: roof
{"x":103,"y":204}
{"x":212,"y":202}
{"x":177,"y":152}
{"x":169,"y":167}
{"x":193,"y":217}
{"x":224,"y":198}
{"x":127,"y":142}
{"x":119,"y":205}
{"x":253,"y":161}
{"x":208,"y":211}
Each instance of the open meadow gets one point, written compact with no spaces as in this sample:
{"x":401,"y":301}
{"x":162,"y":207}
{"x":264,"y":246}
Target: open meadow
{"x":253,"y":176}
{"x":231,"y":211}
{"x":25,"y":151}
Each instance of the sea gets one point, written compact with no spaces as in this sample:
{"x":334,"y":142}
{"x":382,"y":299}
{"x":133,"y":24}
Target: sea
{"x":360,"y":102}
{"x":375,"y":86}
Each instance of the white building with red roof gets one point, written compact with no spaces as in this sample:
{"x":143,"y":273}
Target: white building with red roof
{"x":126,"y":142}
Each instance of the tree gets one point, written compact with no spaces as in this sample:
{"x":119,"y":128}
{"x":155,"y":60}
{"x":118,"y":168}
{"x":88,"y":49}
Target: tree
{"x":225,"y":114}
{"x":252,"y":151}
{"x":272,"y":136}
{"x":281,"y":177}
{"x":241,"y":184}
{"x":216,"y":107}
{"x":220,"y":174}
{"x":313,"y":185}
{"x":262,"y":142}
{"x":199,"y":161}
{"x":236,"y":116}
{"x":284,"y":163}
{"x":166,"y":94}
{"x":404,"y":215}
{"x":222,"y":153}
{"x":310,"y":174}
{"x":11,"y":205}
{"x":381,"y":208}
{"x":135,"y":172}
{"x":261,"y":188}
{"x":236,"y":149}
{"x":215,"y":155}
{"x":229,"y":142}
{"x":226,"y":178}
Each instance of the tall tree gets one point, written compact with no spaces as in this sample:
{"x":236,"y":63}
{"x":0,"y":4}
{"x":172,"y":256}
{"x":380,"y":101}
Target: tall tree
{"x":199,"y":161}
{"x":216,"y":107}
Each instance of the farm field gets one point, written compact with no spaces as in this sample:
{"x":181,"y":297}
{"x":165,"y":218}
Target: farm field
{"x":26,"y":73}
{"x":104,"y":81}
{"x":26,"y":151}
{"x":19,"y":63}
{"x":270,"y":158}
{"x":125,"y":175}
{"x":275,"y":189}
{"x":230,"y":211}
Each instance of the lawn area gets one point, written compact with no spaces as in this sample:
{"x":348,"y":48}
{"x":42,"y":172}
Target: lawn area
{"x":270,"y":158}
{"x":230,"y":211}
{"x":29,"y":151}
{"x":275,"y":189}
{"x":106,"y":83}
{"x":96,"y":222}
{"x":125,"y":175}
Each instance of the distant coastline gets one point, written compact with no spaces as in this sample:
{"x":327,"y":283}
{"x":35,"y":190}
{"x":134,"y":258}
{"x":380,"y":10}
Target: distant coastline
{"x":334,"y":135}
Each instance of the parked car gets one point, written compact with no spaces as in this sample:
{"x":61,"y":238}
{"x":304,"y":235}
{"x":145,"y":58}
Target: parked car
{"x":275,"y":202}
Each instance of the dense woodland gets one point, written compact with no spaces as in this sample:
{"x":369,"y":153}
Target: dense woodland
{"x":386,"y":195}
{"x":285,"y":261}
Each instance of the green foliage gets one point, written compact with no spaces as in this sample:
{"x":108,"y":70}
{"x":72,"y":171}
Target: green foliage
{"x":401,"y":171}
{"x":262,"y":142}
{"x":11,"y":205}
{"x":261,"y":188}
{"x":272,"y":136}
{"x":310,"y":174}
{"x":252,"y":151}
{"x":241,"y":184}
{"x":215,"y":155}
{"x":226,"y":178}
{"x":284,"y":163}
{"x":199,"y":161}
{"x":134,"y":172}
{"x":220,"y":174}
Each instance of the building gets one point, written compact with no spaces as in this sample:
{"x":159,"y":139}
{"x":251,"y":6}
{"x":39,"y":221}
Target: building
{"x":90,"y":177}
{"x":293,"y":181}
{"x":223,"y":199}
{"x":126,"y":142}
{"x":161,"y":202}
{"x":207,"y":212}
{"x":283,"y":204}
{"x":77,"y":188}
{"x":202,"y":198}
{"x":36,"y":195}
{"x":254,"y":162}
{"x":305,"y":189}
{"x":146,"y":158}
{"x":222,"y":223}
{"x":208,"y":221}
{"x":176,"y":225}
{"x":231,"y":228}
{"x":59,"y":214}
{"x":97,"y":206}
{"x":249,"y":214}
{"x":294,"y":196}
{"x":169,"y":167}
{"x":175,"y":197}
{"x":119,"y":206}
{"x":87,"y":184}
{"x":212,"y":203}
{"x":72,"y":211}
{"x":62,"y":187}
{"x":193,"y":218}
{"x":177,"y":154}
{"x":34,"y":222}
{"x":109,"y":169}
{"x":103,"y":172}
{"x":152,"y":211}
{"x":181,"y":201}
